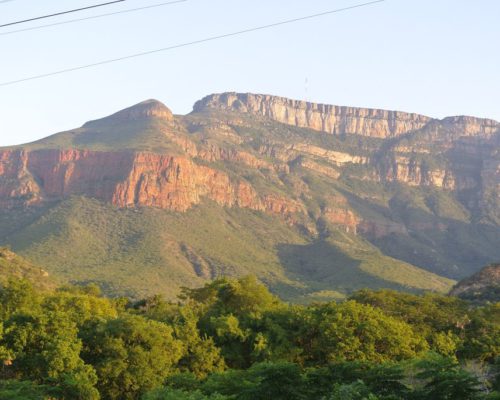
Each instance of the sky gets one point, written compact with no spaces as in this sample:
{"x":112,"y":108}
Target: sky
{"x":433,"y":57}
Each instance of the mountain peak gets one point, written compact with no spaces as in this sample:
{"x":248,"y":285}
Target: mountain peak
{"x":146,"y":109}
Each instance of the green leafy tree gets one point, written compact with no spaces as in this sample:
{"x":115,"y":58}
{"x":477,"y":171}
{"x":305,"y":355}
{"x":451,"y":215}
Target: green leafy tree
{"x":353,"y":331}
{"x":131,"y":355}
{"x":278,"y":381}
{"x":45,"y":348}
{"x":200,"y":354}
{"x":229,"y":383}
{"x":353,"y":391}
{"x":482,"y":334}
{"x":78,"y":306}
{"x":232,"y":311}
{"x":175,"y":394}
{"x":380,"y":379}
{"x":24,"y":390}
{"x":440,"y":319}
{"x":239,"y":297}
{"x":16,"y":296}
{"x":445,"y":380}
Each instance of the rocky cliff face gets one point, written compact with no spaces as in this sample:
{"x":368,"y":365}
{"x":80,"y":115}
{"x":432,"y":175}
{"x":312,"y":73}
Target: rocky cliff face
{"x":339,"y":119}
{"x":320,"y":117}
{"x":127,"y":180}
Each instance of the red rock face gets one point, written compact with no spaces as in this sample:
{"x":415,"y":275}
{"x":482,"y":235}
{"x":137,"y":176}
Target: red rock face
{"x":68,"y":172}
{"x":342,"y":217}
{"x":126,"y":180}
{"x":16,"y":184}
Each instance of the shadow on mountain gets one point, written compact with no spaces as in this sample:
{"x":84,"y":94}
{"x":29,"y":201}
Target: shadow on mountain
{"x":321,"y":265}
{"x":446,"y":246}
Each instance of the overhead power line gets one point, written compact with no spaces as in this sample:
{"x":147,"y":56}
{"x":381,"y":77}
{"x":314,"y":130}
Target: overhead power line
{"x":62,"y":13}
{"x":130,"y":10}
{"x":194,"y":42}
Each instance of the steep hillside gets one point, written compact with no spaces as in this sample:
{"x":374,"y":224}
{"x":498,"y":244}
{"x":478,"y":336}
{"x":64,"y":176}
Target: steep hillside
{"x":14,"y":266}
{"x":316,"y":200}
{"x":481,"y":287}
{"x":147,"y":250}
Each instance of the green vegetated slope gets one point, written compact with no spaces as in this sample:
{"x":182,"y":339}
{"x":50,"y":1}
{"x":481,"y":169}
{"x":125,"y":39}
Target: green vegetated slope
{"x":450,"y":243}
{"x":13,"y":266}
{"x":111,"y":134}
{"x":145,"y":251}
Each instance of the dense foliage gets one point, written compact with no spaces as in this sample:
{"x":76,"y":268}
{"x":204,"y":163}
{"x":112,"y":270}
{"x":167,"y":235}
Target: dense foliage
{"x":233,"y":339}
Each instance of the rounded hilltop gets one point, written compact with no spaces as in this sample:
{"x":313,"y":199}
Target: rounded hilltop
{"x":482,"y":286}
{"x":145,"y":109}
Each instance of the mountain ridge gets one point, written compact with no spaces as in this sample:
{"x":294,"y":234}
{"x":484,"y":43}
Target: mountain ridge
{"x":324,"y":117}
{"x":422,"y":193}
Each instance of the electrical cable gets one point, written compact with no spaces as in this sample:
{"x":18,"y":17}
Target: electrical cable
{"x":92,"y":17}
{"x":194,"y":42}
{"x":62,"y":13}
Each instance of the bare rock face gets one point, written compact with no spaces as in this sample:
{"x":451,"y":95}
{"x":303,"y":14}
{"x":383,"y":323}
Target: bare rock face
{"x":342,"y":217}
{"x":410,"y":170}
{"x":320,"y":117}
{"x":16,"y":184}
{"x":127,"y":180}
{"x":471,"y":126}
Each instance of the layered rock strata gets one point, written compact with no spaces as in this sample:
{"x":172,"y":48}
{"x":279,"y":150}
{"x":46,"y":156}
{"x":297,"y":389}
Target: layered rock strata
{"x":126,"y":179}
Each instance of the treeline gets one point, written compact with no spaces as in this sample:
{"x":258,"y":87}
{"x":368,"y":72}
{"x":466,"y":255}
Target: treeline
{"x":232,"y":339}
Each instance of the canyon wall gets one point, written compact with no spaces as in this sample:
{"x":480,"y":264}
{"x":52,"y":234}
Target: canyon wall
{"x":319,"y":117}
{"x":341,"y":119}
{"x":126,"y":179}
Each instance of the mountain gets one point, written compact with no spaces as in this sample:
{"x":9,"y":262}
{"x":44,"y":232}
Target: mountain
{"x":480,"y":287}
{"x":316,"y":200}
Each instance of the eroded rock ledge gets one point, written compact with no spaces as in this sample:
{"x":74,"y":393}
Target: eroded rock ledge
{"x":126,"y":179}
{"x":340,"y":119}
{"x":320,"y":117}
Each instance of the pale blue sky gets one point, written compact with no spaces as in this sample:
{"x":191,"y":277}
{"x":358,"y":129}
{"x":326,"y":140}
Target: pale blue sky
{"x":435,"y":57}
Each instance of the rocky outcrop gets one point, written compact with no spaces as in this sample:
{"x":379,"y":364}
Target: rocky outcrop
{"x":320,"y":117}
{"x":342,"y":217}
{"x":482,"y":286}
{"x":340,"y":119}
{"x":322,"y":169}
{"x":335,"y":157}
{"x":415,"y":172}
{"x":470,"y":126}
{"x":212,"y":152}
{"x":16,"y":183}
{"x":127,"y":179}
